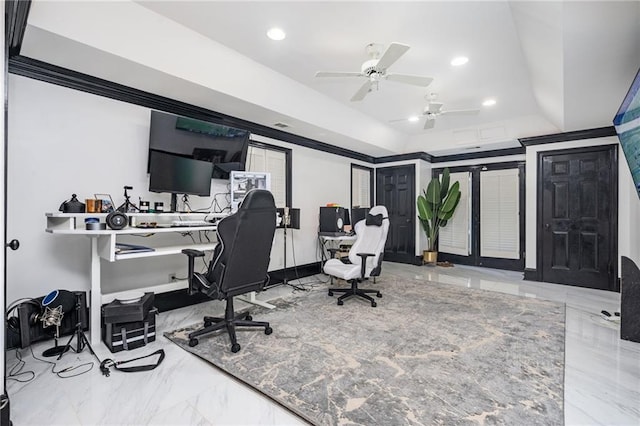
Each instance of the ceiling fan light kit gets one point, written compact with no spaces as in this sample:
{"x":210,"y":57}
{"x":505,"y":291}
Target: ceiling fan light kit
{"x":375,"y":69}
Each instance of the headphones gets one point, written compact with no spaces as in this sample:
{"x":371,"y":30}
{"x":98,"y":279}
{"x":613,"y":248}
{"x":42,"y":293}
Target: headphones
{"x":13,"y":322}
{"x":117,"y":220}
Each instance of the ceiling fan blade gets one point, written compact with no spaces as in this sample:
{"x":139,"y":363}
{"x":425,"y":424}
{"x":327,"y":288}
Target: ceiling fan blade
{"x":362,"y":91}
{"x":397,"y":120}
{"x":392,"y":54}
{"x":416,"y":80}
{"x":429,"y":123}
{"x":460,"y":112}
{"x":338,"y":74}
{"x":434,"y":107}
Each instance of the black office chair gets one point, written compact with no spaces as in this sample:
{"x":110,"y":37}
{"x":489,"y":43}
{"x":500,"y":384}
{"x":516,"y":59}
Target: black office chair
{"x":239,"y":263}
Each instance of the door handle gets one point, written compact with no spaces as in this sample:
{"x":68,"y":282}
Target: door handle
{"x":13,"y":244}
{"x":547,"y":226}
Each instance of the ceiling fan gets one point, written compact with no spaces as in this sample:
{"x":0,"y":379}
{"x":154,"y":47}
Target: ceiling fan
{"x":375,"y":69}
{"x":434,"y":110}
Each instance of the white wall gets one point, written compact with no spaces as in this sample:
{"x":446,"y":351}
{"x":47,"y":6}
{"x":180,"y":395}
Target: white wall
{"x":63,"y":141}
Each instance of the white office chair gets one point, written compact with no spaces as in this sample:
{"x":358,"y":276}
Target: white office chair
{"x":365,"y":256}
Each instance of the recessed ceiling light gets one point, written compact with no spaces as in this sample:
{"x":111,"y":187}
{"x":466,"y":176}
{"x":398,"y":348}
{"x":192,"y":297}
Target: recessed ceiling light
{"x":460,"y":60}
{"x":276,"y":34}
{"x":413,"y":118}
{"x":489,"y":102}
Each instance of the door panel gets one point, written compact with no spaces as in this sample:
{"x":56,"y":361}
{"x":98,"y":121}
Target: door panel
{"x":395,"y":189}
{"x":454,"y":238}
{"x":577,"y":245}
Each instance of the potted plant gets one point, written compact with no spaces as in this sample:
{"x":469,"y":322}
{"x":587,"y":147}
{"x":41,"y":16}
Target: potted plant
{"x":436,"y":206}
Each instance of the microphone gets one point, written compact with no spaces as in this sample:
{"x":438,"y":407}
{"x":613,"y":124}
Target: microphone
{"x":52,"y":317}
{"x":287,"y":218}
{"x":55,"y":304}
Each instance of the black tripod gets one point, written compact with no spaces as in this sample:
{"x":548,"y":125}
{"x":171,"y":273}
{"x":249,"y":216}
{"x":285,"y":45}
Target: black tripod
{"x":82,"y":340}
{"x":127,"y":205}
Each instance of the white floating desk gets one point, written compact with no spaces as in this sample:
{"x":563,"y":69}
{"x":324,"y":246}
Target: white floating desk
{"x":103,"y":246}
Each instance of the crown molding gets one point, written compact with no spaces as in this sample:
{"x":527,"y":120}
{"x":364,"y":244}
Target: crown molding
{"x":599,"y":132}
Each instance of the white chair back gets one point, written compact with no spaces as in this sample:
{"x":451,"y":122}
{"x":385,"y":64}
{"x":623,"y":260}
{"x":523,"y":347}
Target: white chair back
{"x":370,"y":239}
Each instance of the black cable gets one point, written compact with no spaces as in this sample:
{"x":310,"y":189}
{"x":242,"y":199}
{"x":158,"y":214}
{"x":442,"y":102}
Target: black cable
{"x":298,"y":287}
{"x":16,"y":371}
{"x":64,"y":370}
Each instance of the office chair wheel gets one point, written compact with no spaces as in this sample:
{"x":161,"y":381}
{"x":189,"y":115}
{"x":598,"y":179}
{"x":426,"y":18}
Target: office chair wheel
{"x":378,"y":294}
{"x":248,"y":318}
{"x":340,"y":303}
{"x":374,"y":304}
{"x":193,"y":342}
{"x":268,"y":330}
{"x":235,"y":348}
{"x":330,"y":293}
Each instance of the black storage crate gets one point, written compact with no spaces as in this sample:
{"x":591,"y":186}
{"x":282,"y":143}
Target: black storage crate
{"x":130,"y":335}
{"x":119,"y":312}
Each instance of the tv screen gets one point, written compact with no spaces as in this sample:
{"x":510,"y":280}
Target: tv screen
{"x":627,"y":124}
{"x":225,"y":147}
{"x":179,"y":175}
{"x":243,"y":182}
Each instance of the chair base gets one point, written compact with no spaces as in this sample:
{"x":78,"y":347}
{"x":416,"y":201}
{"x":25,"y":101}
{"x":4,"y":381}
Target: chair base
{"x":355,"y":291}
{"x":230,"y":322}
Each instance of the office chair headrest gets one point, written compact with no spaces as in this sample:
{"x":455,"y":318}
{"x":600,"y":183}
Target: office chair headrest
{"x":258,"y":199}
{"x":375,"y":220}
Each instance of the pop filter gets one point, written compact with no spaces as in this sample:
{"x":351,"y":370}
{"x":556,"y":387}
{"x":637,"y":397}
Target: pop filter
{"x":63,"y":298}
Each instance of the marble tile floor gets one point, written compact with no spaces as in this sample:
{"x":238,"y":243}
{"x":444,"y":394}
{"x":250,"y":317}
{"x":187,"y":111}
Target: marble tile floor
{"x":602,"y":372}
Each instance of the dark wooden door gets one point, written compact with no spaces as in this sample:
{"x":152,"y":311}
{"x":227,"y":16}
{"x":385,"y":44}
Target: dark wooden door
{"x":395,"y":189}
{"x":578,"y":217}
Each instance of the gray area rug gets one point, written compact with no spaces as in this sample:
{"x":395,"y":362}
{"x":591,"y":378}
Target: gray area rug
{"x":428,"y":354}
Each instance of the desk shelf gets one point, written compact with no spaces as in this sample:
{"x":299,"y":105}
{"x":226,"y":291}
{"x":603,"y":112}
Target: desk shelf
{"x":103,"y":244}
{"x":164,"y":251}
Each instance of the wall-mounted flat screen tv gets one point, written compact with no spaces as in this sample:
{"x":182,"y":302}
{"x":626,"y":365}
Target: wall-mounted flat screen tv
{"x":627,"y":124}
{"x":226,"y":147}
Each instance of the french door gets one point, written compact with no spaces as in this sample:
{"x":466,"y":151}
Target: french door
{"x":487,"y":228}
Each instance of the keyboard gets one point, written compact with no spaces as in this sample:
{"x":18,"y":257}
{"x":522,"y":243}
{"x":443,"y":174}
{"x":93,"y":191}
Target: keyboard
{"x":186,"y":223}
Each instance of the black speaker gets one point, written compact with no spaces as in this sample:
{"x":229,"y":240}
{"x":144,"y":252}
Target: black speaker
{"x":117,"y":220}
{"x":332,"y":219}
{"x":358,"y":214}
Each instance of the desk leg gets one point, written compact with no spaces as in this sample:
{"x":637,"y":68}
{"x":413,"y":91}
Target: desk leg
{"x":96,"y":294}
{"x":252,"y":299}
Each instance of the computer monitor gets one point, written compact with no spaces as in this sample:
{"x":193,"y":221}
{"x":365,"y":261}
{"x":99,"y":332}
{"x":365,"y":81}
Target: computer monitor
{"x":243,"y":182}
{"x":179,"y":175}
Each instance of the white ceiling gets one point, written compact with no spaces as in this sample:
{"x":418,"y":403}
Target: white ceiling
{"x":552,"y":66}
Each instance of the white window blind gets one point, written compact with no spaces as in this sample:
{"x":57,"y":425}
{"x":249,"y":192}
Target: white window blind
{"x":274,"y":162}
{"x":361,"y":187}
{"x":454,"y":238}
{"x":500,"y":214}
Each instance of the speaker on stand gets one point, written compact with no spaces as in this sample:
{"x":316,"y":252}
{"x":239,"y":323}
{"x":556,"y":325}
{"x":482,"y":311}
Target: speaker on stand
{"x":332,"y":219}
{"x":289,"y":218}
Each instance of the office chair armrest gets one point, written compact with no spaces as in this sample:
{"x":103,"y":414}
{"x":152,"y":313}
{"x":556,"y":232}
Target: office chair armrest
{"x":363,"y":263}
{"x":191,"y":254}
